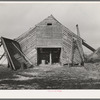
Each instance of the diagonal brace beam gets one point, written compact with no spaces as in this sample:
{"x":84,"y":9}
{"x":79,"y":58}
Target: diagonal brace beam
{"x":88,"y":46}
{"x":2,"y":56}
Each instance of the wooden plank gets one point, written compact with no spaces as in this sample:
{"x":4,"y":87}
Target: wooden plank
{"x":8,"y":55}
{"x":77,"y":59}
{"x":88,"y":46}
{"x":0,"y":45}
{"x":22,"y":53}
{"x":80,"y":49}
{"x":27,"y":49}
{"x":30,"y":32}
{"x":49,"y":42}
{"x":0,"y":42}
{"x":28,"y":45}
{"x":76,"y":53}
{"x":2,"y":56}
{"x":79,"y":45}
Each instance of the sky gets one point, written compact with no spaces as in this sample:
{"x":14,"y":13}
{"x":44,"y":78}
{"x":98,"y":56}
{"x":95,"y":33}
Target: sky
{"x":16,"y":18}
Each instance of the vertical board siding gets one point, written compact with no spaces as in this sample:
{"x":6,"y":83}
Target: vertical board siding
{"x":77,"y":51}
{"x":28,"y":46}
{"x":81,"y":49}
{"x":77,"y":58}
{"x":49,"y":35}
{"x":67,"y":47}
{"x":32,"y":56}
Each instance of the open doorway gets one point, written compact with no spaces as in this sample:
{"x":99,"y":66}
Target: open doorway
{"x":48,"y":55}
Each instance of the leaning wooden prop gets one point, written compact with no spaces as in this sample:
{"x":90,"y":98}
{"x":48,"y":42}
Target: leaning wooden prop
{"x":15,"y":56}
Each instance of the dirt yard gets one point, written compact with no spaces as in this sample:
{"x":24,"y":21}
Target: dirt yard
{"x":51,"y":77}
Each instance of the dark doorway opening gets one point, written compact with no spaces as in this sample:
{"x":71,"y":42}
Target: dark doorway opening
{"x":48,"y":55}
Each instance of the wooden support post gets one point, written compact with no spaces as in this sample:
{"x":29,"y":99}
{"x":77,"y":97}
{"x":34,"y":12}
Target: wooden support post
{"x":0,"y":43}
{"x":78,"y":32}
{"x":8,"y":56}
{"x":81,"y":55}
{"x":2,"y":56}
{"x":50,"y":59}
{"x":73,"y":49}
{"x":80,"y":46}
{"x":61,"y":62}
{"x":76,"y":45}
{"x":88,"y":46}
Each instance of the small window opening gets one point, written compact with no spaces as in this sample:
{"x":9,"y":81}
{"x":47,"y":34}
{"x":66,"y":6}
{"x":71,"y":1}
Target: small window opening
{"x":49,"y":24}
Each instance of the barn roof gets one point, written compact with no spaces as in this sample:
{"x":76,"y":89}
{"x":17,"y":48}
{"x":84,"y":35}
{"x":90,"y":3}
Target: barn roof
{"x":49,"y":19}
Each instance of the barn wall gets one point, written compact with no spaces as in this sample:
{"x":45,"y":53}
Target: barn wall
{"x":28,"y":45}
{"x":66,"y":46}
{"x":77,"y":58}
{"x":49,"y":35}
{"x":78,"y":53}
{"x":42,"y":36}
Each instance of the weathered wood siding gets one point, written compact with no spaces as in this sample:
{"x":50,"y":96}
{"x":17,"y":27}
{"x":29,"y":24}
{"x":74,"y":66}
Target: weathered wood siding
{"x":81,"y":50}
{"x":66,"y":46}
{"x":49,"y":35}
{"x":77,"y":58}
{"x":28,"y":45}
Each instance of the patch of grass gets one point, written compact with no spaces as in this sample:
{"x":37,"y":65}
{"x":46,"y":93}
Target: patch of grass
{"x":49,"y":78}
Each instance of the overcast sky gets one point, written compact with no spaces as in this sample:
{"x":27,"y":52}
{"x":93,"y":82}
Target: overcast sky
{"x":16,"y":18}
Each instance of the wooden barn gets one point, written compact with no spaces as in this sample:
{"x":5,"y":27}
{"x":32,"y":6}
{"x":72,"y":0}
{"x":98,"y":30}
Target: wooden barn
{"x":50,"y":42}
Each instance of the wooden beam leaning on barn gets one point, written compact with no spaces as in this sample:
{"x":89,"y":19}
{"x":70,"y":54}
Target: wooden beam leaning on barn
{"x":81,"y":53}
{"x":79,"y":45}
{"x":88,"y":46}
{"x":76,"y":46}
{"x":83,"y":41}
{"x":73,"y":51}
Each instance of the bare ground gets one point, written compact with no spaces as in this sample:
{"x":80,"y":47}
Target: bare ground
{"x":51,"y":77}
